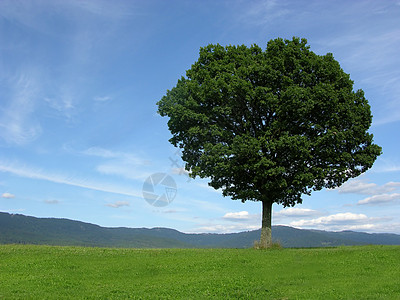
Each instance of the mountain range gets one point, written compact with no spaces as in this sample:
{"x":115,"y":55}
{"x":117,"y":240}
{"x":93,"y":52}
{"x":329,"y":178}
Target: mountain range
{"x":20,"y":229}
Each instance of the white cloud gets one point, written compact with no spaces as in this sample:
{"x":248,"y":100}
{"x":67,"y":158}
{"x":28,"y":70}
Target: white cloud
{"x":365,"y":188}
{"x":118,"y":204}
{"x":103,"y":8}
{"x":359,"y":227}
{"x":378,"y":199}
{"x":296,"y":212}
{"x":386,"y":227}
{"x":88,"y":32}
{"x":379,"y":194}
{"x":393,"y":184}
{"x":386,"y":165}
{"x":64,"y":103}
{"x":357,"y":186}
{"x":102,"y":99}
{"x":218,"y":228}
{"x":100,"y":152}
{"x":336,"y":219}
{"x":234,"y":216}
{"x":242,"y":221}
{"x":7,"y":195}
{"x":262,"y":12}
{"x":347,"y":221}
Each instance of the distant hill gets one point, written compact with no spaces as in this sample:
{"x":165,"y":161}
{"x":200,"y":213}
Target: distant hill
{"x":20,"y":229}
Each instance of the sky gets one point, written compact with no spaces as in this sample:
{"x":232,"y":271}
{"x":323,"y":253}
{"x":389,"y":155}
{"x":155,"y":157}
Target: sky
{"x":80,"y":137}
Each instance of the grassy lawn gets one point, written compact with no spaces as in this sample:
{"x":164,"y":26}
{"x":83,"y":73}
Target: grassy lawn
{"x":44,"y":272}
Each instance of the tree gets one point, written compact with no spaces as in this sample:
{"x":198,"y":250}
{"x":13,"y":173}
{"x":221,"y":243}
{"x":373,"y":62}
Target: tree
{"x":270,"y":125}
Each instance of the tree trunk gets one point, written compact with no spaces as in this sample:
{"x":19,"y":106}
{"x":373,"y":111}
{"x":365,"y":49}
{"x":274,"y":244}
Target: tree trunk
{"x":266,"y":230}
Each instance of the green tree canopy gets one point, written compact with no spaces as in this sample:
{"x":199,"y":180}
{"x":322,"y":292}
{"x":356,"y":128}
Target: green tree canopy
{"x":270,"y":125}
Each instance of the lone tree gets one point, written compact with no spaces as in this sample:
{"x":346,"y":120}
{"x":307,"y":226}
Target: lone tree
{"x":270,"y":125}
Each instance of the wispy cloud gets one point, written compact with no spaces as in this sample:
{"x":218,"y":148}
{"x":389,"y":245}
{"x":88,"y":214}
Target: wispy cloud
{"x":118,"y":204}
{"x":52,"y":201}
{"x":17,"y":123}
{"x":87,"y":35}
{"x":120,"y":169}
{"x":102,"y":98}
{"x":29,"y":13}
{"x":35,"y":173}
{"x":64,"y":103}
{"x":368,"y":51}
{"x":122,"y":164}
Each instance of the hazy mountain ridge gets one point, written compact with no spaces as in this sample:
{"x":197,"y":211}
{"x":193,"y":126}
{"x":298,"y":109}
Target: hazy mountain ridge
{"x":20,"y":229}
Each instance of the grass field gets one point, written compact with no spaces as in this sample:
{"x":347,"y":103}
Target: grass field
{"x":44,"y":272}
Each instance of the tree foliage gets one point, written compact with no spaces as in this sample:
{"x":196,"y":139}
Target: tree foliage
{"x":270,"y":125}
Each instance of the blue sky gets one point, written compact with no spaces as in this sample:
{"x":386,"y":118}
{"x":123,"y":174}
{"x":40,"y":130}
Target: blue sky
{"x":79,"y":132}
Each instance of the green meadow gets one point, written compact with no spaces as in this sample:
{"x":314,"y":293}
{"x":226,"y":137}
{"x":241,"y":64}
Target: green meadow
{"x":51,"y":272}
